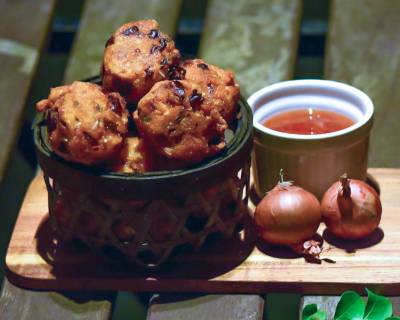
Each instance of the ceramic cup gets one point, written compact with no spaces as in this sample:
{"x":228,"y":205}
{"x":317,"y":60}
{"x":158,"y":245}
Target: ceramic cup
{"x":314,"y":162}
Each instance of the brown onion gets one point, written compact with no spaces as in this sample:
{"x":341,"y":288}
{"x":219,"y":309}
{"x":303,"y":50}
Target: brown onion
{"x":351,"y":209}
{"x":288,"y":214}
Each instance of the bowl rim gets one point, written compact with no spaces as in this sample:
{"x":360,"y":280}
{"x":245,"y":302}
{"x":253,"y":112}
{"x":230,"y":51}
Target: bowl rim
{"x":312,"y":83}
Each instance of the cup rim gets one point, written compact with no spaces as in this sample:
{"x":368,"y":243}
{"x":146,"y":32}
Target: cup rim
{"x":329,"y":84}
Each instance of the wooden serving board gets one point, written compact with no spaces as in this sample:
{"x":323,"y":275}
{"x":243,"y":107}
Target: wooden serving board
{"x":239,"y":265}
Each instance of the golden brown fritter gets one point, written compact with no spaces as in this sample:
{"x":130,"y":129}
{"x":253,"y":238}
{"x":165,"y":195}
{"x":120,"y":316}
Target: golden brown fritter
{"x":222,"y":89}
{"x":85,"y":124}
{"x":135,"y":157}
{"x":136,"y":57}
{"x":171,"y":119}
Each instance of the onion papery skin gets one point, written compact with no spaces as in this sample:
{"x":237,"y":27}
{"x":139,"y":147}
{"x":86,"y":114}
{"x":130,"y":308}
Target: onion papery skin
{"x":359,"y":222}
{"x":288,"y":215}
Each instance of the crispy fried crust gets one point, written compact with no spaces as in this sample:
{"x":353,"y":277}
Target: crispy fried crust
{"x":221,"y":88}
{"x":136,"y":57}
{"x":85,"y":124}
{"x":171,"y":118}
{"x":135,"y":157}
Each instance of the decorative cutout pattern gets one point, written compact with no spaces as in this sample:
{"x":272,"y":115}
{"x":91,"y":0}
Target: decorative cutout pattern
{"x":146,"y":232}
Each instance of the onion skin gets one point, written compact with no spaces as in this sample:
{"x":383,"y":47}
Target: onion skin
{"x":351,"y":209}
{"x":287,"y":215}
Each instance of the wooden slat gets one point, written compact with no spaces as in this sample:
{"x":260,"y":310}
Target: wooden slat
{"x":396,"y":305}
{"x":23,"y":29}
{"x":100,"y":19}
{"x":16,"y":303}
{"x":255,"y":38}
{"x":329,"y":303}
{"x":179,"y":307}
{"x":364,"y":50}
{"x":325,"y":303}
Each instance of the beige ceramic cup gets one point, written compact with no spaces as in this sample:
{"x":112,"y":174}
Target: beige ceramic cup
{"x":313,"y":161}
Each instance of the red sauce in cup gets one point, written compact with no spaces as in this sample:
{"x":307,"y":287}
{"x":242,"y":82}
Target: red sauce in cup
{"x":308,"y":121}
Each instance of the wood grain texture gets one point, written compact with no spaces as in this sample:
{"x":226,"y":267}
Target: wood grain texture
{"x":325,"y":303}
{"x":256,"y":38}
{"x":99,"y":21}
{"x":21,"y":38}
{"x":242,"y":264}
{"x":363,"y":49}
{"x":230,"y":306}
{"x":16,"y":303}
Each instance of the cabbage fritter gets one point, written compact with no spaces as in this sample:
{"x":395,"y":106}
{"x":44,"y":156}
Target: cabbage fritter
{"x":85,"y":125}
{"x":135,"y":157}
{"x":171,"y":118}
{"x":221,"y":88}
{"x":136,"y":57}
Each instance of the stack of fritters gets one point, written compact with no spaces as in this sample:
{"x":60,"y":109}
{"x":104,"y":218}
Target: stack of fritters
{"x":179,"y":110}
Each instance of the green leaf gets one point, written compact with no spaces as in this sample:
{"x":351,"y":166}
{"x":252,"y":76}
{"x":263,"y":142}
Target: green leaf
{"x":311,"y":312}
{"x":378,"y":307}
{"x":393,"y":318}
{"x":350,"y":307}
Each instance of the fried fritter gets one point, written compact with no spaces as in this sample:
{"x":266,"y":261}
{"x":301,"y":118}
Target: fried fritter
{"x":85,"y":125}
{"x":136,"y":57}
{"x":222,"y":89}
{"x":172,"y":120}
{"x":135,"y":157}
